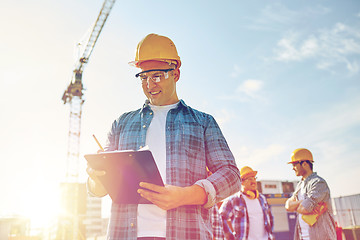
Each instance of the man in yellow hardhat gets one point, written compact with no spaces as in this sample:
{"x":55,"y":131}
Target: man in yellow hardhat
{"x":311,"y":200}
{"x":183,"y":141}
{"x":247,"y":214}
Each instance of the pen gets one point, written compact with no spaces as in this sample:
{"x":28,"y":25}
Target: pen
{"x":98,"y":142}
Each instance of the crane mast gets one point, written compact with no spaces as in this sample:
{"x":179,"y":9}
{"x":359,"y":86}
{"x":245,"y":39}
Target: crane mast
{"x":71,"y":226}
{"x":75,"y":92}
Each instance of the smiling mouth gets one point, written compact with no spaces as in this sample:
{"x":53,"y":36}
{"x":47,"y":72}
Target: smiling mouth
{"x":154,"y":93}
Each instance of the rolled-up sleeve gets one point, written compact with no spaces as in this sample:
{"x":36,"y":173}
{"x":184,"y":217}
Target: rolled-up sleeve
{"x":210,"y":192}
{"x":221,"y":162}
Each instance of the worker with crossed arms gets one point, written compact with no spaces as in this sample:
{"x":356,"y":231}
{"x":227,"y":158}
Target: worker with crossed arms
{"x":310,"y":200}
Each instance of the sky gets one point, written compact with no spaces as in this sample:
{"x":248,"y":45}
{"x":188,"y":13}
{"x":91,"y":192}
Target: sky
{"x":276,"y":75}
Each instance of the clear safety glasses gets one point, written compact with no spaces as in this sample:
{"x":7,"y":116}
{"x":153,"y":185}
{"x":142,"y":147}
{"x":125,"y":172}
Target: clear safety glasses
{"x":156,"y":75}
{"x":250,"y":179}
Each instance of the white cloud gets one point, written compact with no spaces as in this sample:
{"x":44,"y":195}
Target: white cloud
{"x":329,"y":47}
{"x":250,"y":87}
{"x":224,"y":116}
{"x":275,"y":16}
{"x":288,"y":52}
{"x":309,"y":48}
{"x":324,"y":64}
{"x":248,"y":90}
{"x":353,"y":67}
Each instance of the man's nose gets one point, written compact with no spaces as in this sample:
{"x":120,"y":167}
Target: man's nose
{"x":150,"y":83}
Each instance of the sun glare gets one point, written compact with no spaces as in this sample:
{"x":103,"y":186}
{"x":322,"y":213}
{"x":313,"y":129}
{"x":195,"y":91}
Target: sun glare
{"x":41,"y":205}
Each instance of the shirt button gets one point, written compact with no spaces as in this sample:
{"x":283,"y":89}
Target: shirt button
{"x":144,"y":126}
{"x":140,"y":147}
{"x":132,"y":224}
{"x":151,"y":113}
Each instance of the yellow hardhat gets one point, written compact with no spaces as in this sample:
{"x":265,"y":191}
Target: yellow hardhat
{"x":246,"y":172}
{"x":156,"y":47}
{"x":301,"y":154}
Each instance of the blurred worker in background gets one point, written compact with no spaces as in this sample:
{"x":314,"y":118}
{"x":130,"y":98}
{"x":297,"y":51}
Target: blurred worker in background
{"x":311,"y":200}
{"x":247,"y":214}
{"x":183,"y":141}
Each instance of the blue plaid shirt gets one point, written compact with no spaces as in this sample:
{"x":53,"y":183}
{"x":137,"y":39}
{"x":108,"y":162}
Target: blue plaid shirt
{"x":316,"y":191}
{"x":193,"y":141}
{"x":234,"y":209}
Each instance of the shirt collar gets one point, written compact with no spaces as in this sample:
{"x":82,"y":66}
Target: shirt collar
{"x":147,"y":107}
{"x":314,"y":174}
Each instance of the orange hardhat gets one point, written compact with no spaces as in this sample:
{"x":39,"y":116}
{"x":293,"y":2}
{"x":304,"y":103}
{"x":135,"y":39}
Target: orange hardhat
{"x":158,"y":48}
{"x":246,"y":172}
{"x":301,"y":154}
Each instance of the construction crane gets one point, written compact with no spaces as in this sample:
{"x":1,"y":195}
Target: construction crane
{"x":75,"y":92}
{"x":71,"y":224}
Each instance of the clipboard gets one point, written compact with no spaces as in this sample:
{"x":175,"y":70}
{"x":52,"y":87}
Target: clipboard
{"x":124,"y":171}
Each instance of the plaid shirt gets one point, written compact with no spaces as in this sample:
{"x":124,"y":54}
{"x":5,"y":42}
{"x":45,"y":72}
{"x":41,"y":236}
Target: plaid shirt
{"x":316,"y":191}
{"x":217,"y":225}
{"x":234,"y":209}
{"x":193,"y":141}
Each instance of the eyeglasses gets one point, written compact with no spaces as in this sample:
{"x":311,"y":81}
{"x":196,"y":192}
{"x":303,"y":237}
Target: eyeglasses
{"x":296,"y":163}
{"x":250,"y":179}
{"x":157,"y":76}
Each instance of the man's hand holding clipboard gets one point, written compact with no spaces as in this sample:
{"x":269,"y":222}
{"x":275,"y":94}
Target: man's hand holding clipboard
{"x":94,"y":184}
{"x":119,"y":173}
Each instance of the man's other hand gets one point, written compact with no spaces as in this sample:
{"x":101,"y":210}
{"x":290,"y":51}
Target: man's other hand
{"x":169,"y":197}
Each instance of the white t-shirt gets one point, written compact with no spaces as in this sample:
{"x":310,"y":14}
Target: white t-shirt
{"x":151,"y":219}
{"x":256,"y":219}
{"x":303,"y":225}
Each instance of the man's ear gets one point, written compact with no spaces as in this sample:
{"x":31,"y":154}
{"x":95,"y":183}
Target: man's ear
{"x":306,"y":164}
{"x":176,"y":74}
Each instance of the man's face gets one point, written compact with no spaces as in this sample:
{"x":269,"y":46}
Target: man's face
{"x":298,"y":169}
{"x":249,"y":184}
{"x":163,"y":92}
